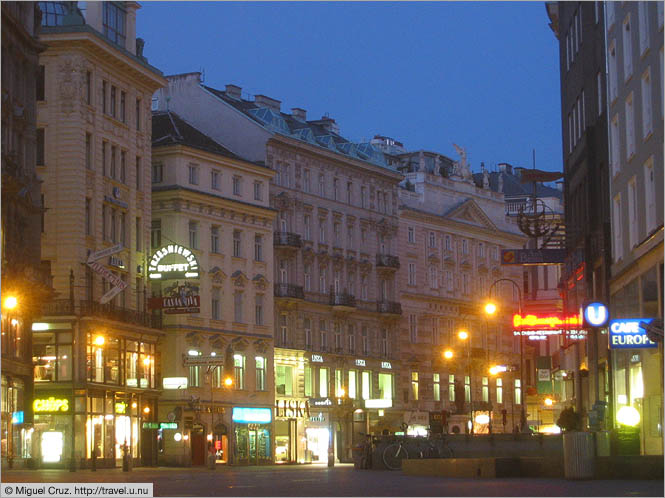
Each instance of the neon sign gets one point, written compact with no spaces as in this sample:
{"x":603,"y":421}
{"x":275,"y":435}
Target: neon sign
{"x":158,"y":269}
{"x":50,"y":405}
{"x":626,"y":333}
{"x":544,"y":322}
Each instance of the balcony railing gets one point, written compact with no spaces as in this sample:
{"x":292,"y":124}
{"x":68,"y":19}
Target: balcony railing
{"x":389,"y":307}
{"x":287,"y":239}
{"x":58,"y":307}
{"x":289,"y":290}
{"x":92,"y":308}
{"x":342,"y":299}
{"x":387,"y":261}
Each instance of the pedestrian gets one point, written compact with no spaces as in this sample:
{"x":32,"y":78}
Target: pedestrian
{"x":212,"y":456}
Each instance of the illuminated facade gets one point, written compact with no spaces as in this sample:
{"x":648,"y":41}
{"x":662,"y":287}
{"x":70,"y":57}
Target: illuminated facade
{"x":96,"y":345}
{"x":336,"y":309}
{"x":211,"y":274}
{"x":451,"y":232}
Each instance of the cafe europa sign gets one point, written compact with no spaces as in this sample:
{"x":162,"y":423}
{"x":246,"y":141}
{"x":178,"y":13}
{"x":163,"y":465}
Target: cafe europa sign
{"x":291,"y":408}
{"x":173,"y":261}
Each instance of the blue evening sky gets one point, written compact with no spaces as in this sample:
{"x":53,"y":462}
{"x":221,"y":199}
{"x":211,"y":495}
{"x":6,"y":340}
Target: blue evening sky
{"x":484,"y":75}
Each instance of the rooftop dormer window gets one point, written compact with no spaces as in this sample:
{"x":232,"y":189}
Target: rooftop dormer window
{"x":115,"y":18}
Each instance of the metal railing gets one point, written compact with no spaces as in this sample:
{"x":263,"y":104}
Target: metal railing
{"x":287,"y":239}
{"x":289,"y":290}
{"x":389,"y":307}
{"x":387,"y":260}
{"x":342,"y":299}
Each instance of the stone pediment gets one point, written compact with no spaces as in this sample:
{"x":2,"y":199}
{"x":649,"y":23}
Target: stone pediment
{"x":470,"y":213}
{"x":260,"y":282}
{"x":217,"y":275}
{"x":239,"y":278}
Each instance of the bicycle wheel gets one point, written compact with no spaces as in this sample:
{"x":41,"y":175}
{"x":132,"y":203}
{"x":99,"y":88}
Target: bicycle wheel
{"x":393,"y":455}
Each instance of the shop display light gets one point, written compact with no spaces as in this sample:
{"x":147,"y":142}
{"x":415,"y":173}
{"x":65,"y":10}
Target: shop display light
{"x":627,"y":415}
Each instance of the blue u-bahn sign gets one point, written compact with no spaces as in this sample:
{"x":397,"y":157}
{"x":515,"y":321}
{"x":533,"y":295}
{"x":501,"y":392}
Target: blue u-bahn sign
{"x":626,"y":333}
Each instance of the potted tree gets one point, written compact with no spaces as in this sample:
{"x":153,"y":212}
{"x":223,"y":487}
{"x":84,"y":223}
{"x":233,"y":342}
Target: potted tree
{"x":578,"y":448}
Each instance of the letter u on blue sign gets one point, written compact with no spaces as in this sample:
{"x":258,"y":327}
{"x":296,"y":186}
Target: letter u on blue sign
{"x":596,"y":314}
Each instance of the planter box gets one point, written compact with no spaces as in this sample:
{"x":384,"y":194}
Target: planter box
{"x":578,"y":455}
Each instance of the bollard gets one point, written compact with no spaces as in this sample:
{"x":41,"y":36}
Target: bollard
{"x":93,"y":467}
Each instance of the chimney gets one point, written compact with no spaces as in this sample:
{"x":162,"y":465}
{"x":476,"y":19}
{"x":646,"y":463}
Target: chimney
{"x":263,"y":101}
{"x":327,"y":123}
{"x":299,"y":114}
{"x":506,"y":168}
{"x":233,"y":91}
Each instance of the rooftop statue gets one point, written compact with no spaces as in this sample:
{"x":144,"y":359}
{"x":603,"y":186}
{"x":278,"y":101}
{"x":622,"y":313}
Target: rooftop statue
{"x":461,"y":167}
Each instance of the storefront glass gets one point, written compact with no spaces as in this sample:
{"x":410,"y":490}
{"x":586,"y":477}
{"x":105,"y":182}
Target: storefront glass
{"x":317,"y":443}
{"x":252,"y":444}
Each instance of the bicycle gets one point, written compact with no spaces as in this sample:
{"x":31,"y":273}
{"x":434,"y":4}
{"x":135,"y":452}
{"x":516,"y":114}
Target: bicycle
{"x":393,"y":454}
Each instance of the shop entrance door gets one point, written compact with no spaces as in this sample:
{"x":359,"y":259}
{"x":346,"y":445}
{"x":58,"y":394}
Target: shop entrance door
{"x":198,"y":442}
{"x":252,"y":445}
{"x":148,"y":447}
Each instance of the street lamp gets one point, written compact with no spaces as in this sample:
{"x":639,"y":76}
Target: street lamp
{"x":464,"y":336}
{"x":490,"y":309}
{"x":448,"y":354}
{"x":10,"y":303}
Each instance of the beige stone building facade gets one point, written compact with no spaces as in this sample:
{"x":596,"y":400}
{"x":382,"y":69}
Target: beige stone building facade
{"x":95,"y":347}
{"x":215,"y":205}
{"x":450,"y":237}
{"x":336,"y":311}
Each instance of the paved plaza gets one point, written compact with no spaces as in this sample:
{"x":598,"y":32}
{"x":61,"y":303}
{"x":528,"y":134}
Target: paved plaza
{"x":342,"y":480}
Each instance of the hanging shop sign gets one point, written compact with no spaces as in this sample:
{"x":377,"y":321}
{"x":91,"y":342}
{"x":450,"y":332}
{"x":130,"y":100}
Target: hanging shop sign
{"x":532,"y":256}
{"x":51,"y":405}
{"x":178,"y":299}
{"x":321,"y":402}
{"x":627,"y":333}
{"x":317,"y":358}
{"x":291,"y":408}
{"x":168,"y":425}
{"x":173,"y":261}
{"x":386,"y":364}
{"x":94,"y":256}
{"x":249,"y":415}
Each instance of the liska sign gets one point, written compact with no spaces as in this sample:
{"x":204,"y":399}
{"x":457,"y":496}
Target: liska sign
{"x":626,"y":333}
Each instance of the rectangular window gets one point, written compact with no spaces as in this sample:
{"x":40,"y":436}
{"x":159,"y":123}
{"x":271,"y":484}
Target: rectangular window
{"x":363,"y":198}
{"x":339,"y":383}
{"x":385,"y":385}
{"x":650,"y":196}
{"x":237,"y":186}
{"x":258,"y":191}
{"x":113,"y":97}
{"x":138,"y":114}
{"x":214,"y":239}
{"x":322,"y":185}
{"x":157,"y":171}
{"x":412,"y":274}
{"x":193,"y":174}
{"x":194,"y":376}
{"x":436,"y":387}
{"x":413,"y":329}
{"x":486,"y":389}
{"x":123,"y":166}
{"x":260,"y":373}
{"x":113,"y":225}
{"x":414,"y":386}
{"x":215,"y":303}
{"x":88,"y":151}
{"x":104,"y":223}
{"x":113,"y":22}
{"x":156,"y":234}
{"x":307,"y":325}
{"x":323,"y":382}
{"x":284,"y":380}
{"x":518,"y":392}
{"x":609,"y":6}
{"x":214,"y":179}
{"x":366,"y":388}
{"x":193,"y":235}
{"x":237,"y":307}
{"x":465,"y":246}
{"x":449,"y":281}
{"x":239,"y":370}
{"x":353,"y":384}
{"x":258,"y":309}
{"x":633,"y":221}
{"x":451,"y":387}
{"x":40,"y":146}
{"x":114,"y":151}
{"x":627,"y":49}
{"x":88,"y":216}
{"x":258,"y":248}
{"x":322,"y":231}
{"x":123,"y":230}
{"x":104,"y":96}
{"x":335,"y":189}
{"x":411,"y":232}
{"x":123,"y":107}
{"x":237,"y":243}
{"x":307,"y":182}
{"x":308,"y":380}
{"x":615,"y":159}
{"x":643,"y":26}
{"x":630,"y":127}
{"x":40,"y":83}
{"x":467,"y":388}
{"x":647,"y":111}
{"x":499,"y":391}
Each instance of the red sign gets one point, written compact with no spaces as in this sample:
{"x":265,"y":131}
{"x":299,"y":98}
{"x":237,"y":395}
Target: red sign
{"x":552,"y":321}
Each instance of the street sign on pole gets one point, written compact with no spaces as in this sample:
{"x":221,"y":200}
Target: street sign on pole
{"x":94,"y":256}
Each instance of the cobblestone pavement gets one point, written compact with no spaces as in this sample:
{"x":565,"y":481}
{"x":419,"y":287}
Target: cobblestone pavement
{"x":342,"y":480}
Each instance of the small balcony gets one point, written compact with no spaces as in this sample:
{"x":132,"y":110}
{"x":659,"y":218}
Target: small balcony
{"x":287,"y":240}
{"x":387,"y":261}
{"x":342,"y":300}
{"x":289,"y":291}
{"x":389,"y":307}
{"x":111,"y":312}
